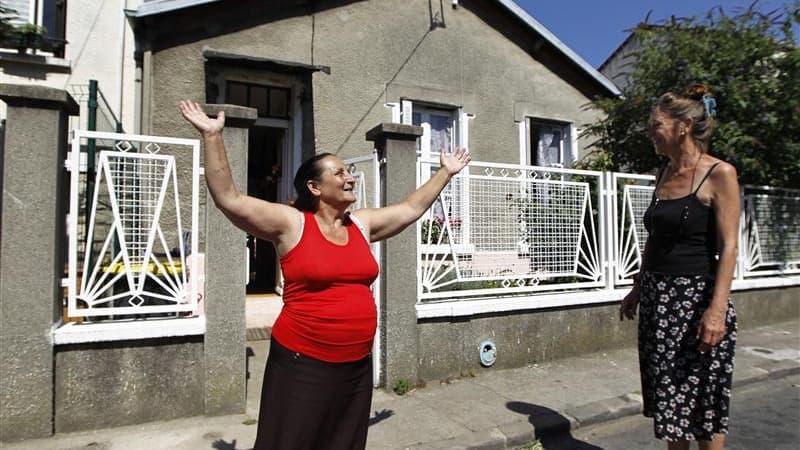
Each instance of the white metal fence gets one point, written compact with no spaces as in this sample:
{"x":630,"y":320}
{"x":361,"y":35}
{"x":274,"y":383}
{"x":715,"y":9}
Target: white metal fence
{"x":505,"y":229}
{"x":770,"y":224}
{"x":137,"y":251}
{"x":366,"y":171}
{"x":501,"y":229}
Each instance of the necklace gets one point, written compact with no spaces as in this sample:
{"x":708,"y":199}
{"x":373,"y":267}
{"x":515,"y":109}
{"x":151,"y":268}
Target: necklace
{"x":672,"y":173}
{"x":685,"y":210}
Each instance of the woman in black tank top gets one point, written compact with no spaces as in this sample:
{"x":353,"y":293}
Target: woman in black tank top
{"x":687,"y":324}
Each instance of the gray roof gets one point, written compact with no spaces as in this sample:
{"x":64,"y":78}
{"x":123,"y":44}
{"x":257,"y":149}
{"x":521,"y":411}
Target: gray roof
{"x":154,"y":7}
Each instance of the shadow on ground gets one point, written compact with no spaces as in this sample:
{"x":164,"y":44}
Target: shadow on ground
{"x":555,"y":428}
{"x":221,"y":444}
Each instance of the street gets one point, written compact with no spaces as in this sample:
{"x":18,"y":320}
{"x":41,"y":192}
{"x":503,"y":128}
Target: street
{"x":764,"y":415}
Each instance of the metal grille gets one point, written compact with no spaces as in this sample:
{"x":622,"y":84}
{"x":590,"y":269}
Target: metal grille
{"x":630,"y":234}
{"x":771,"y":230}
{"x":507,"y":226}
{"x":138,"y":256}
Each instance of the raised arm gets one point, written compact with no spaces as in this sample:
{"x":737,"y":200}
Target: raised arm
{"x":385,"y":222}
{"x":271,"y":221}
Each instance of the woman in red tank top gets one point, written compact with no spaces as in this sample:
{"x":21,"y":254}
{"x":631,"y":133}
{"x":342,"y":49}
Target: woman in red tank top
{"x":317,"y":385}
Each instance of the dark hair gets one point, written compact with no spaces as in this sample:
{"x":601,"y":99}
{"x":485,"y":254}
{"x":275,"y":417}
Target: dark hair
{"x":690,"y":105}
{"x":309,"y":170}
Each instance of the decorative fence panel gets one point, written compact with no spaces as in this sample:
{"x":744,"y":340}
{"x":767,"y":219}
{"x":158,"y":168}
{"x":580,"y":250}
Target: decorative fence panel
{"x":506,"y":230}
{"x":770,"y":242}
{"x":630,"y":195}
{"x":136,"y":257}
{"x":509,"y":228}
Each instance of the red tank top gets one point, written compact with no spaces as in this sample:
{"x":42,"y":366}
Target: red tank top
{"x":328,"y":309}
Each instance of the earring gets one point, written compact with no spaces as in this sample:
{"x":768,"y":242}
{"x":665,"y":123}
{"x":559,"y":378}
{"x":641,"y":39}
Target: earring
{"x":683,"y":131}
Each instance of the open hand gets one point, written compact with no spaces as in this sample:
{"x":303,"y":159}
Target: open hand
{"x":194,"y":114}
{"x":455,"y":161}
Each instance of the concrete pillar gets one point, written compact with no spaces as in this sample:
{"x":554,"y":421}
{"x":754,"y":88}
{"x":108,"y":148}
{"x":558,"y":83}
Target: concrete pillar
{"x":397,"y":144}
{"x":225,"y":265}
{"x":32,"y":229}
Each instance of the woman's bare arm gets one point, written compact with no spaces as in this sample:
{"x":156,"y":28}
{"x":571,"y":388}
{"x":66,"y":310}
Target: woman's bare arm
{"x":726,"y":204}
{"x":270,"y":221}
{"x":385,"y":222}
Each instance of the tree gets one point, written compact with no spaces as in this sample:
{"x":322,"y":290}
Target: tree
{"x":751,"y":63}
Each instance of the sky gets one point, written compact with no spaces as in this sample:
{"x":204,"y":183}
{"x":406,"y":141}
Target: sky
{"x":595,"y":28}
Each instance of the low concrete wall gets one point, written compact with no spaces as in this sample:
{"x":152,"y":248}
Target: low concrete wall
{"x":448,"y":347}
{"x":128,"y":382}
{"x":758,"y":307}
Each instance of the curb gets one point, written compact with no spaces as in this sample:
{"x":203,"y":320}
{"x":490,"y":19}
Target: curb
{"x":521,"y":433}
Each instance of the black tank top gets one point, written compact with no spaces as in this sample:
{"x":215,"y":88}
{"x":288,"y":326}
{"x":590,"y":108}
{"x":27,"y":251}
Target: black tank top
{"x":682,"y":234}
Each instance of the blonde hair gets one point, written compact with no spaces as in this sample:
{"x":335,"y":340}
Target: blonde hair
{"x":690,"y":105}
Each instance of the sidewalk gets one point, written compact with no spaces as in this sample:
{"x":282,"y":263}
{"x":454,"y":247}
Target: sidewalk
{"x":494,"y":409}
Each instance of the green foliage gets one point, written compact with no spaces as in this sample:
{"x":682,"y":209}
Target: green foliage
{"x":535,"y":445}
{"x":6,"y":27}
{"x":435,"y":228}
{"x":749,"y":60}
{"x":402,"y":386}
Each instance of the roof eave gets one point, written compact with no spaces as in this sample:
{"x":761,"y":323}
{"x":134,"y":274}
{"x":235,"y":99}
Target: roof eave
{"x":563,"y":48}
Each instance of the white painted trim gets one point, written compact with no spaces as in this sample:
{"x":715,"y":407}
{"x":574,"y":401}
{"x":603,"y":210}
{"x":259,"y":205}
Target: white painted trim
{"x":79,"y":333}
{"x":524,"y":143}
{"x":573,"y":147}
{"x":568,"y":52}
{"x":494,"y":305}
{"x":394,"y":109}
{"x":406,"y":112}
{"x":137,"y":137}
{"x":765,"y":283}
{"x":472,"y":307}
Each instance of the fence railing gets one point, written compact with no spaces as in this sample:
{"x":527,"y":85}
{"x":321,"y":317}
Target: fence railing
{"x":141,"y":239}
{"x":770,"y":237}
{"x":506,"y":229}
{"x":503,"y":229}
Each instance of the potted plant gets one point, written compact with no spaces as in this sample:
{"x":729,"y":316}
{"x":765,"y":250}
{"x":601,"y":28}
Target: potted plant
{"x":30,"y":36}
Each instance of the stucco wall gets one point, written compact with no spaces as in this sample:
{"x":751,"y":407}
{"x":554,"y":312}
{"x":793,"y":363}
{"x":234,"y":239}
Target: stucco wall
{"x":381,"y":51}
{"x":450,"y":347}
{"x":122,"y":383}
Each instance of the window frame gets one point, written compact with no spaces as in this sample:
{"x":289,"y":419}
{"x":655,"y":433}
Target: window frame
{"x":568,"y":144}
{"x":34,"y":14}
{"x":269,"y":89}
{"x":459,"y":138}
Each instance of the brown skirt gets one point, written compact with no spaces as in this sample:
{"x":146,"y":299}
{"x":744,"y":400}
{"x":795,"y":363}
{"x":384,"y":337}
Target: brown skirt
{"x":308,"y":404}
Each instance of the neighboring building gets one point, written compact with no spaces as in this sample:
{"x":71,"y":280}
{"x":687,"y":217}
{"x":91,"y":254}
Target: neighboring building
{"x":85,"y":40}
{"x":617,"y":66}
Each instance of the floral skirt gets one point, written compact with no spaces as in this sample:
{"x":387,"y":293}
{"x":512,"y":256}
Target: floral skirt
{"x":687,"y":393}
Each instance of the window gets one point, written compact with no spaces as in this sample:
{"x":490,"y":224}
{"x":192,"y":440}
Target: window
{"x":444,"y":129}
{"x":49,"y":14}
{"x":552,"y":143}
{"x":271,"y":102}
